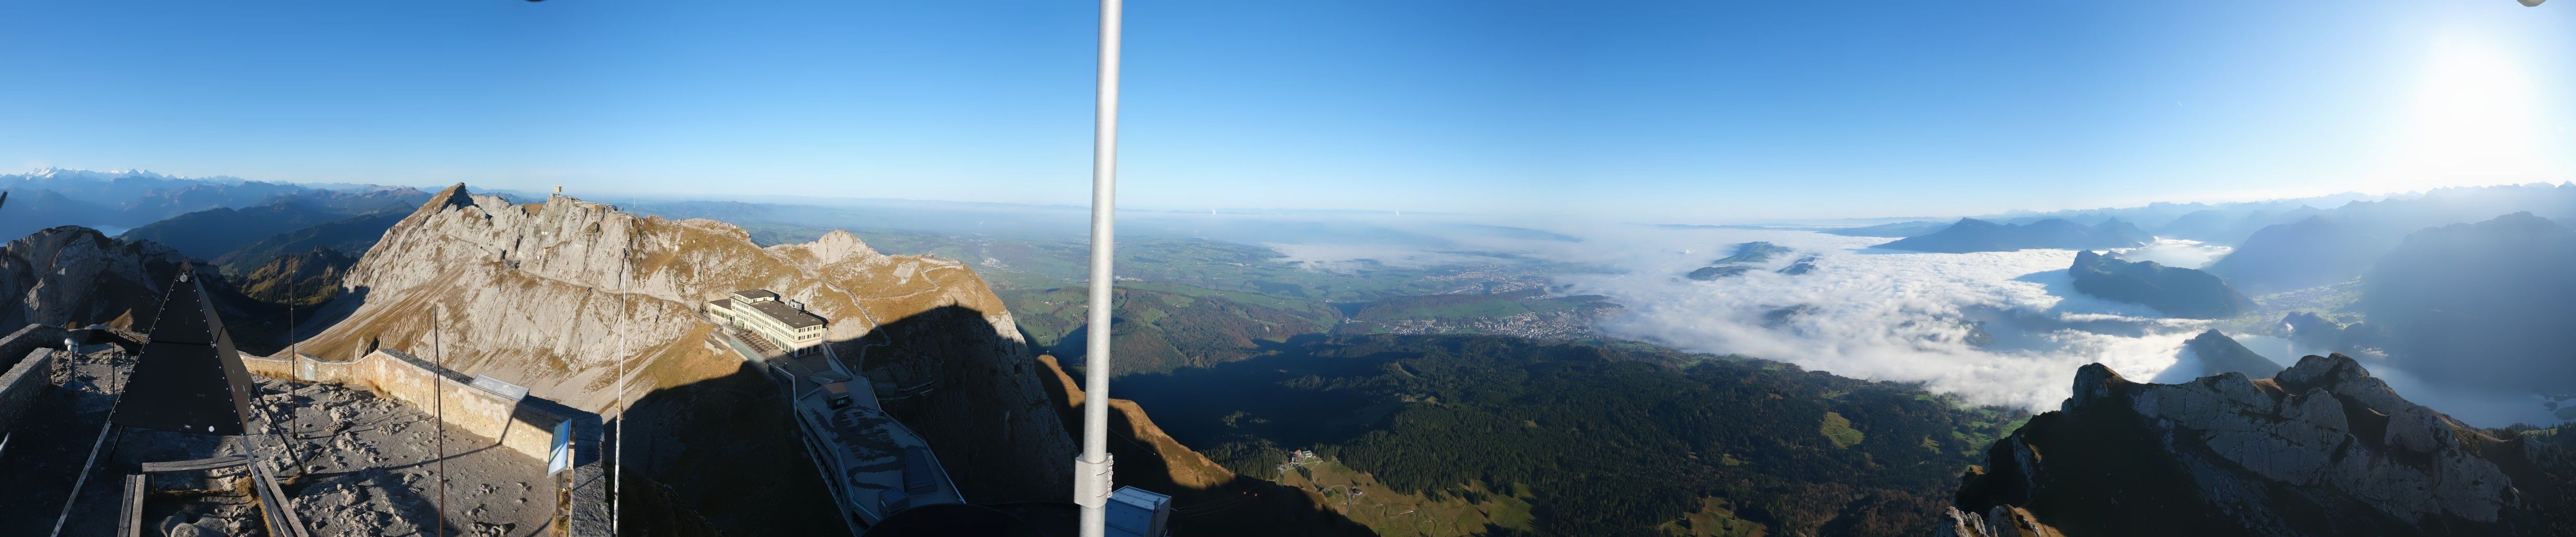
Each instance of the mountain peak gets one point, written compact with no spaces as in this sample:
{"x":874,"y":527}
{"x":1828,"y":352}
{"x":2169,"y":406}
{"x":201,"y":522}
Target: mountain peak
{"x":2321,"y":448}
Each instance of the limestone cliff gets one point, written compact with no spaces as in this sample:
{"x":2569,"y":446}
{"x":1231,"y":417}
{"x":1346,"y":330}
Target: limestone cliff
{"x":541,"y":294}
{"x":73,"y":275}
{"x":2321,"y":448}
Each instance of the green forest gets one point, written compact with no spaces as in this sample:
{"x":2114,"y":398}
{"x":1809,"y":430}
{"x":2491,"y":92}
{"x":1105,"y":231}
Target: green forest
{"x":1602,"y":440}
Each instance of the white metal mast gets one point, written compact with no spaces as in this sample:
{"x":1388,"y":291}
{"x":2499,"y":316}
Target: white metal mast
{"x":617,"y":460}
{"x":1091,"y":471}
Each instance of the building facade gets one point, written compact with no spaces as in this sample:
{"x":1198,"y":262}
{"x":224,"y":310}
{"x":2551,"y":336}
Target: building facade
{"x":782,"y":324}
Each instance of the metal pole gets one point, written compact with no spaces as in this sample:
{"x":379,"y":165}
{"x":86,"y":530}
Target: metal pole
{"x":617,"y":460}
{"x":1091,"y":479}
{"x":438,"y":408}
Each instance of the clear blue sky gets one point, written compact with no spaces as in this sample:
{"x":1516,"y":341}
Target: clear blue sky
{"x":1680,"y":111}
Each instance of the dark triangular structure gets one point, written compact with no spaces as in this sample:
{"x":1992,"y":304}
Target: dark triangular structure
{"x":189,"y":379}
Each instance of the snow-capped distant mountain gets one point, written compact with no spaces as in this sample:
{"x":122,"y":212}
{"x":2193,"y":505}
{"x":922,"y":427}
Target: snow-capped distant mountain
{"x":119,"y":199}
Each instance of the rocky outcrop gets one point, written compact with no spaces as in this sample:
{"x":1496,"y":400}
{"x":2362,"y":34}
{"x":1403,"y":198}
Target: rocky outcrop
{"x":73,"y":275}
{"x":2002,"y":521}
{"x":556,"y":295}
{"x":2322,"y":448}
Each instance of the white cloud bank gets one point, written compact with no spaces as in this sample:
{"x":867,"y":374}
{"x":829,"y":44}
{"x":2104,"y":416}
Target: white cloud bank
{"x":1883,"y":315}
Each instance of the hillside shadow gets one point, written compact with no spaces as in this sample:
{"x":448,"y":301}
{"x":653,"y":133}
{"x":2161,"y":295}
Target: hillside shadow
{"x":1213,"y":501}
{"x":973,"y":395}
{"x":1250,"y":399}
{"x":720,"y":456}
{"x":723,"y":455}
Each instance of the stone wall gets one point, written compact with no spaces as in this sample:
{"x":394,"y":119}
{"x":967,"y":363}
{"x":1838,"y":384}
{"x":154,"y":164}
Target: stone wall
{"x":525,"y":424}
{"x":30,"y":338}
{"x":23,"y":384}
{"x":26,"y":357}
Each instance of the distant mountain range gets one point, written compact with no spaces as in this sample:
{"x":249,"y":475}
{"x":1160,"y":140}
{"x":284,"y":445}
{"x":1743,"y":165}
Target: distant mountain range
{"x":2176,"y":291}
{"x":352,"y":236}
{"x":2489,"y":304}
{"x":213,"y":233}
{"x":1973,"y":235}
{"x":1899,"y":229}
{"x":2308,"y":253}
{"x":2339,"y":244}
{"x":129,"y":198}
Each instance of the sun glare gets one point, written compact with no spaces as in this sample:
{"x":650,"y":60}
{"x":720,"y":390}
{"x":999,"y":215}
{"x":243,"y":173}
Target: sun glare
{"x":2475,"y":118}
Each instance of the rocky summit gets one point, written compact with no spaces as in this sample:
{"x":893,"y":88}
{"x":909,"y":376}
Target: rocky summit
{"x":72,"y":276}
{"x":543,"y":295}
{"x":2322,"y":448}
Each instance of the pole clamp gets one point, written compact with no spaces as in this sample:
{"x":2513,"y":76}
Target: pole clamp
{"x":1091,"y":481}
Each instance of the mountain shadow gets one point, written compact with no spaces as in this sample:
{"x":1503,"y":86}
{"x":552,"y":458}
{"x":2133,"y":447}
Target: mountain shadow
{"x":720,"y":456}
{"x":1208,"y":499}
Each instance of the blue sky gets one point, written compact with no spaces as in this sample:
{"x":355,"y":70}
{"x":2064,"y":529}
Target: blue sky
{"x":1680,"y":111}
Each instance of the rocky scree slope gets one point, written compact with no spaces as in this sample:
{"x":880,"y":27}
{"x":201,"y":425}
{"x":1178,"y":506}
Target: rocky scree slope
{"x":2322,"y":448}
{"x":540,"y":294}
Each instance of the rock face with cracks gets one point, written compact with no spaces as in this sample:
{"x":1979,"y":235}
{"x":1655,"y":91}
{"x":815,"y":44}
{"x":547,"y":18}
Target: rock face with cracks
{"x":554,"y":295}
{"x":2321,"y":448}
{"x":73,"y":275}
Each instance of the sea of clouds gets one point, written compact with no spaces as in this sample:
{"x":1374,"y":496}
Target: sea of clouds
{"x":1878,"y":314}
{"x":1881,"y":314}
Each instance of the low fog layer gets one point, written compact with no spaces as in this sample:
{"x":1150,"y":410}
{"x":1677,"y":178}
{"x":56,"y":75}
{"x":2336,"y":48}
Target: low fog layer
{"x":1885,"y":315}
{"x":2001,"y":328}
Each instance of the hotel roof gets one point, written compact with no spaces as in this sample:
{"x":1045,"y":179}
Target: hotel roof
{"x":792,"y":317}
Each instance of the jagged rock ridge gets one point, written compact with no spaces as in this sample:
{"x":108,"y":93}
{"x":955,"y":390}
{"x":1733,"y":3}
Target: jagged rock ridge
{"x":540,"y":294}
{"x":73,"y":275}
{"x":2322,"y":448}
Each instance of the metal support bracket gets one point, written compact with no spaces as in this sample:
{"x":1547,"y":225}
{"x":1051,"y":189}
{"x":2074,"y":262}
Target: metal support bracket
{"x":1091,"y":481}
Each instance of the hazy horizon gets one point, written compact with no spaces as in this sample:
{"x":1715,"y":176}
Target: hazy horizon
{"x":1659,"y":111}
